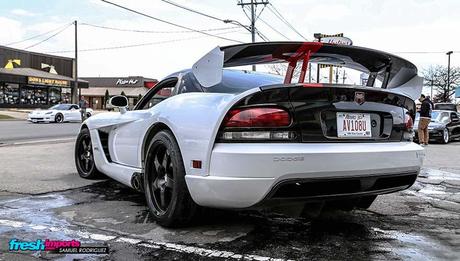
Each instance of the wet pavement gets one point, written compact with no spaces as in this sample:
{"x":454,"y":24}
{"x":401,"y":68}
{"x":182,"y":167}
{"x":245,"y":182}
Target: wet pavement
{"x":421,"y":223}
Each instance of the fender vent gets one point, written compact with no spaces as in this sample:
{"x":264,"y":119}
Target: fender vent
{"x":104,"y":137}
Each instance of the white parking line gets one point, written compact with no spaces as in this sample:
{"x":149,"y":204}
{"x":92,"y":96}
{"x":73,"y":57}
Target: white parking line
{"x":204,"y":252}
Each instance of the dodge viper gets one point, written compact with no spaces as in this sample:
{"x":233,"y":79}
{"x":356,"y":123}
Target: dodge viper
{"x":216,"y":137}
{"x":58,"y":113}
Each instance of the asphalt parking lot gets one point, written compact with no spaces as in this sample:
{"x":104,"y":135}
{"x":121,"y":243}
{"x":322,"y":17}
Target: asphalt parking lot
{"x":41,"y":196}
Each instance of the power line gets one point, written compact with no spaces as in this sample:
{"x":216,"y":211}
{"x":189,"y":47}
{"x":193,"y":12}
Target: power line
{"x":275,"y":11}
{"x":137,"y":45}
{"x":156,"y":32}
{"x":192,"y":10}
{"x":171,"y":23}
{"x":267,"y":24}
{"x":46,"y":39}
{"x":36,"y":36}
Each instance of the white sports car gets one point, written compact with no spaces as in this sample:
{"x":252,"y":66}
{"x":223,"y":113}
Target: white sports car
{"x":58,"y":113}
{"x":235,"y":139}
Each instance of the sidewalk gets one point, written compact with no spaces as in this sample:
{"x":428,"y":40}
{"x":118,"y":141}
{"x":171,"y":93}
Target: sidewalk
{"x":21,"y":114}
{"x":16,"y":114}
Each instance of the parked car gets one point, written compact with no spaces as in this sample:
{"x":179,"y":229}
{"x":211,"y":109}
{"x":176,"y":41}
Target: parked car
{"x":443,"y":127}
{"x":446,"y":106}
{"x":58,"y":113}
{"x":235,"y":139}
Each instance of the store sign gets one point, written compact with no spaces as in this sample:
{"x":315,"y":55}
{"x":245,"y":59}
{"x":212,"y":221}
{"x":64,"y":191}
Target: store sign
{"x":337,"y":40}
{"x":47,"y":81}
{"x":126,"y":82}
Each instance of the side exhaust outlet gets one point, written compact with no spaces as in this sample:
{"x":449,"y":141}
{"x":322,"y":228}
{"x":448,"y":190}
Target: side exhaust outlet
{"x":137,"y":181}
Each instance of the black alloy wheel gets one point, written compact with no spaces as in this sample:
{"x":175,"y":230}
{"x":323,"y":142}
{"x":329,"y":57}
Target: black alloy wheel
{"x":84,"y":158}
{"x":164,"y":182}
{"x":59,"y":118}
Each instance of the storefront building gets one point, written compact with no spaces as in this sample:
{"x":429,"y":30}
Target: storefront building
{"x":35,"y":80}
{"x":100,"y":88}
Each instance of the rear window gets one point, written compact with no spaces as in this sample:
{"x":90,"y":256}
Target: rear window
{"x":445,"y":107}
{"x":235,"y":81}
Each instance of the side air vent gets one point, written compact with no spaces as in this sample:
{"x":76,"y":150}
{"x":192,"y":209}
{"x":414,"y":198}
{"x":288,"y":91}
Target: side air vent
{"x":104,"y":137}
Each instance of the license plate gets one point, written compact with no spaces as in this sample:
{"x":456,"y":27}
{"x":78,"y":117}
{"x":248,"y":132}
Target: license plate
{"x":353,"y":125}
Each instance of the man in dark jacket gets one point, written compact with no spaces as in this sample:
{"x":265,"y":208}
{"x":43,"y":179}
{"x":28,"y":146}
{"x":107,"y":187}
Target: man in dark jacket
{"x":425,"y":118}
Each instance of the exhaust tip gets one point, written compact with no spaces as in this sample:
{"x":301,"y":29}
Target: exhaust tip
{"x":137,"y":181}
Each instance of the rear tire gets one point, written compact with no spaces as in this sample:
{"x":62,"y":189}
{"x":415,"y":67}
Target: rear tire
{"x":165,"y":189}
{"x":84,"y":156}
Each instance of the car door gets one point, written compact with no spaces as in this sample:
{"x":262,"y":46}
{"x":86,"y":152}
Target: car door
{"x":126,"y":137}
{"x":454,"y":125}
{"x":73,"y":114}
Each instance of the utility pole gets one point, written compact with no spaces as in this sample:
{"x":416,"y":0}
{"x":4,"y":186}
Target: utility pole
{"x":75,"y":97}
{"x":447,"y":92}
{"x":253,"y":4}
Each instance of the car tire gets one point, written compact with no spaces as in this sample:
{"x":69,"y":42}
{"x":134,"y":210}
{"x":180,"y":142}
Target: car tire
{"x":84,"y":156}
{"x":88,"y":114}
{"x":165,"y":189}
{"x":445,"y":136}
{"x":59,"y":118}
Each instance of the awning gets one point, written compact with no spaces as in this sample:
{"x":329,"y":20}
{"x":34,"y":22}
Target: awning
{"x":38,"y":77}
{"x":100,"y":91}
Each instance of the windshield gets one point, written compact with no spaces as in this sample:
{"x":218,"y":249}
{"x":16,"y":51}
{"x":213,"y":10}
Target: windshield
{"x":61,"y":107}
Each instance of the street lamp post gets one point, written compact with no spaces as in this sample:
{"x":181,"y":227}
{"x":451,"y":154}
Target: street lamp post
{"x":448,"y":76}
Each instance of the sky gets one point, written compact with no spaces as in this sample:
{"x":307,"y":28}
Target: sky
{"x":394,"y":26}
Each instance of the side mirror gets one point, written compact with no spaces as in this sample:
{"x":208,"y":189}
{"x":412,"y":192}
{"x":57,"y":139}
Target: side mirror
{"x":121,"y":102}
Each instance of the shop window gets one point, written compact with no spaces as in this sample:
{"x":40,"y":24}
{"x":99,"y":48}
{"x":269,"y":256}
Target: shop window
{"x":65,"y":95}
{"x":34,"y":96}
{"x":54,"y":95}
{"x":9,"y":94}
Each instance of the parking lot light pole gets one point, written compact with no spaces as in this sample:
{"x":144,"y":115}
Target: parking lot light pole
{"x":446,"y":93}
{"x":76,"y":96}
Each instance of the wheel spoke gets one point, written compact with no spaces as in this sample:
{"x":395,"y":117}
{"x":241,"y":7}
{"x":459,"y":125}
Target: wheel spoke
{"x":165,"y":160}
{"x":86,"y":164}
{"x":82,"y":156}
{"x":155,"y":184}
{"x":157,"y":164}
{"x":162,"y":199}
{"x":83,"y":142}
{"x":169,"y":182}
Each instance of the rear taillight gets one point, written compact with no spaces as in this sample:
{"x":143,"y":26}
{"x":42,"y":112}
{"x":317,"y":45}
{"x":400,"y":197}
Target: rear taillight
{"x":257,"y":124}
{"x":408,"y":122}
{"x":257,"y":118}
{"x":408,"y":133}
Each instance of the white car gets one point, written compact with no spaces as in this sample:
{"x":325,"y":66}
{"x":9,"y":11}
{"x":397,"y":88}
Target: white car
{"x":222,"y":138}
{"x":58,"y":113}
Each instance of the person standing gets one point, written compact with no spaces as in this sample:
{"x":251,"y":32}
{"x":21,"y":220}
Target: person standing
{"x":425,"y":118}
{"x":83,"y":104}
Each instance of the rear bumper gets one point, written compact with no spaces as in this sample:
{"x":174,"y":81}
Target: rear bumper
{"x":243,"y":175}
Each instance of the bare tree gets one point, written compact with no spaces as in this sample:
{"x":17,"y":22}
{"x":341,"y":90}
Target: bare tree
{"x":436,"y":78}
{"x":281,"y":68}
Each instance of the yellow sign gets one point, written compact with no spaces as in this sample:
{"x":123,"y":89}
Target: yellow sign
{"x":47,"y":81}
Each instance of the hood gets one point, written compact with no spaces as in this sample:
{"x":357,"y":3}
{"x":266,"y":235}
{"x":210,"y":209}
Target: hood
{"x":40,"y":112}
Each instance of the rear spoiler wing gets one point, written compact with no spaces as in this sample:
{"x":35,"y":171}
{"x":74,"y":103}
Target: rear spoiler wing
{"x":395,"y":72}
